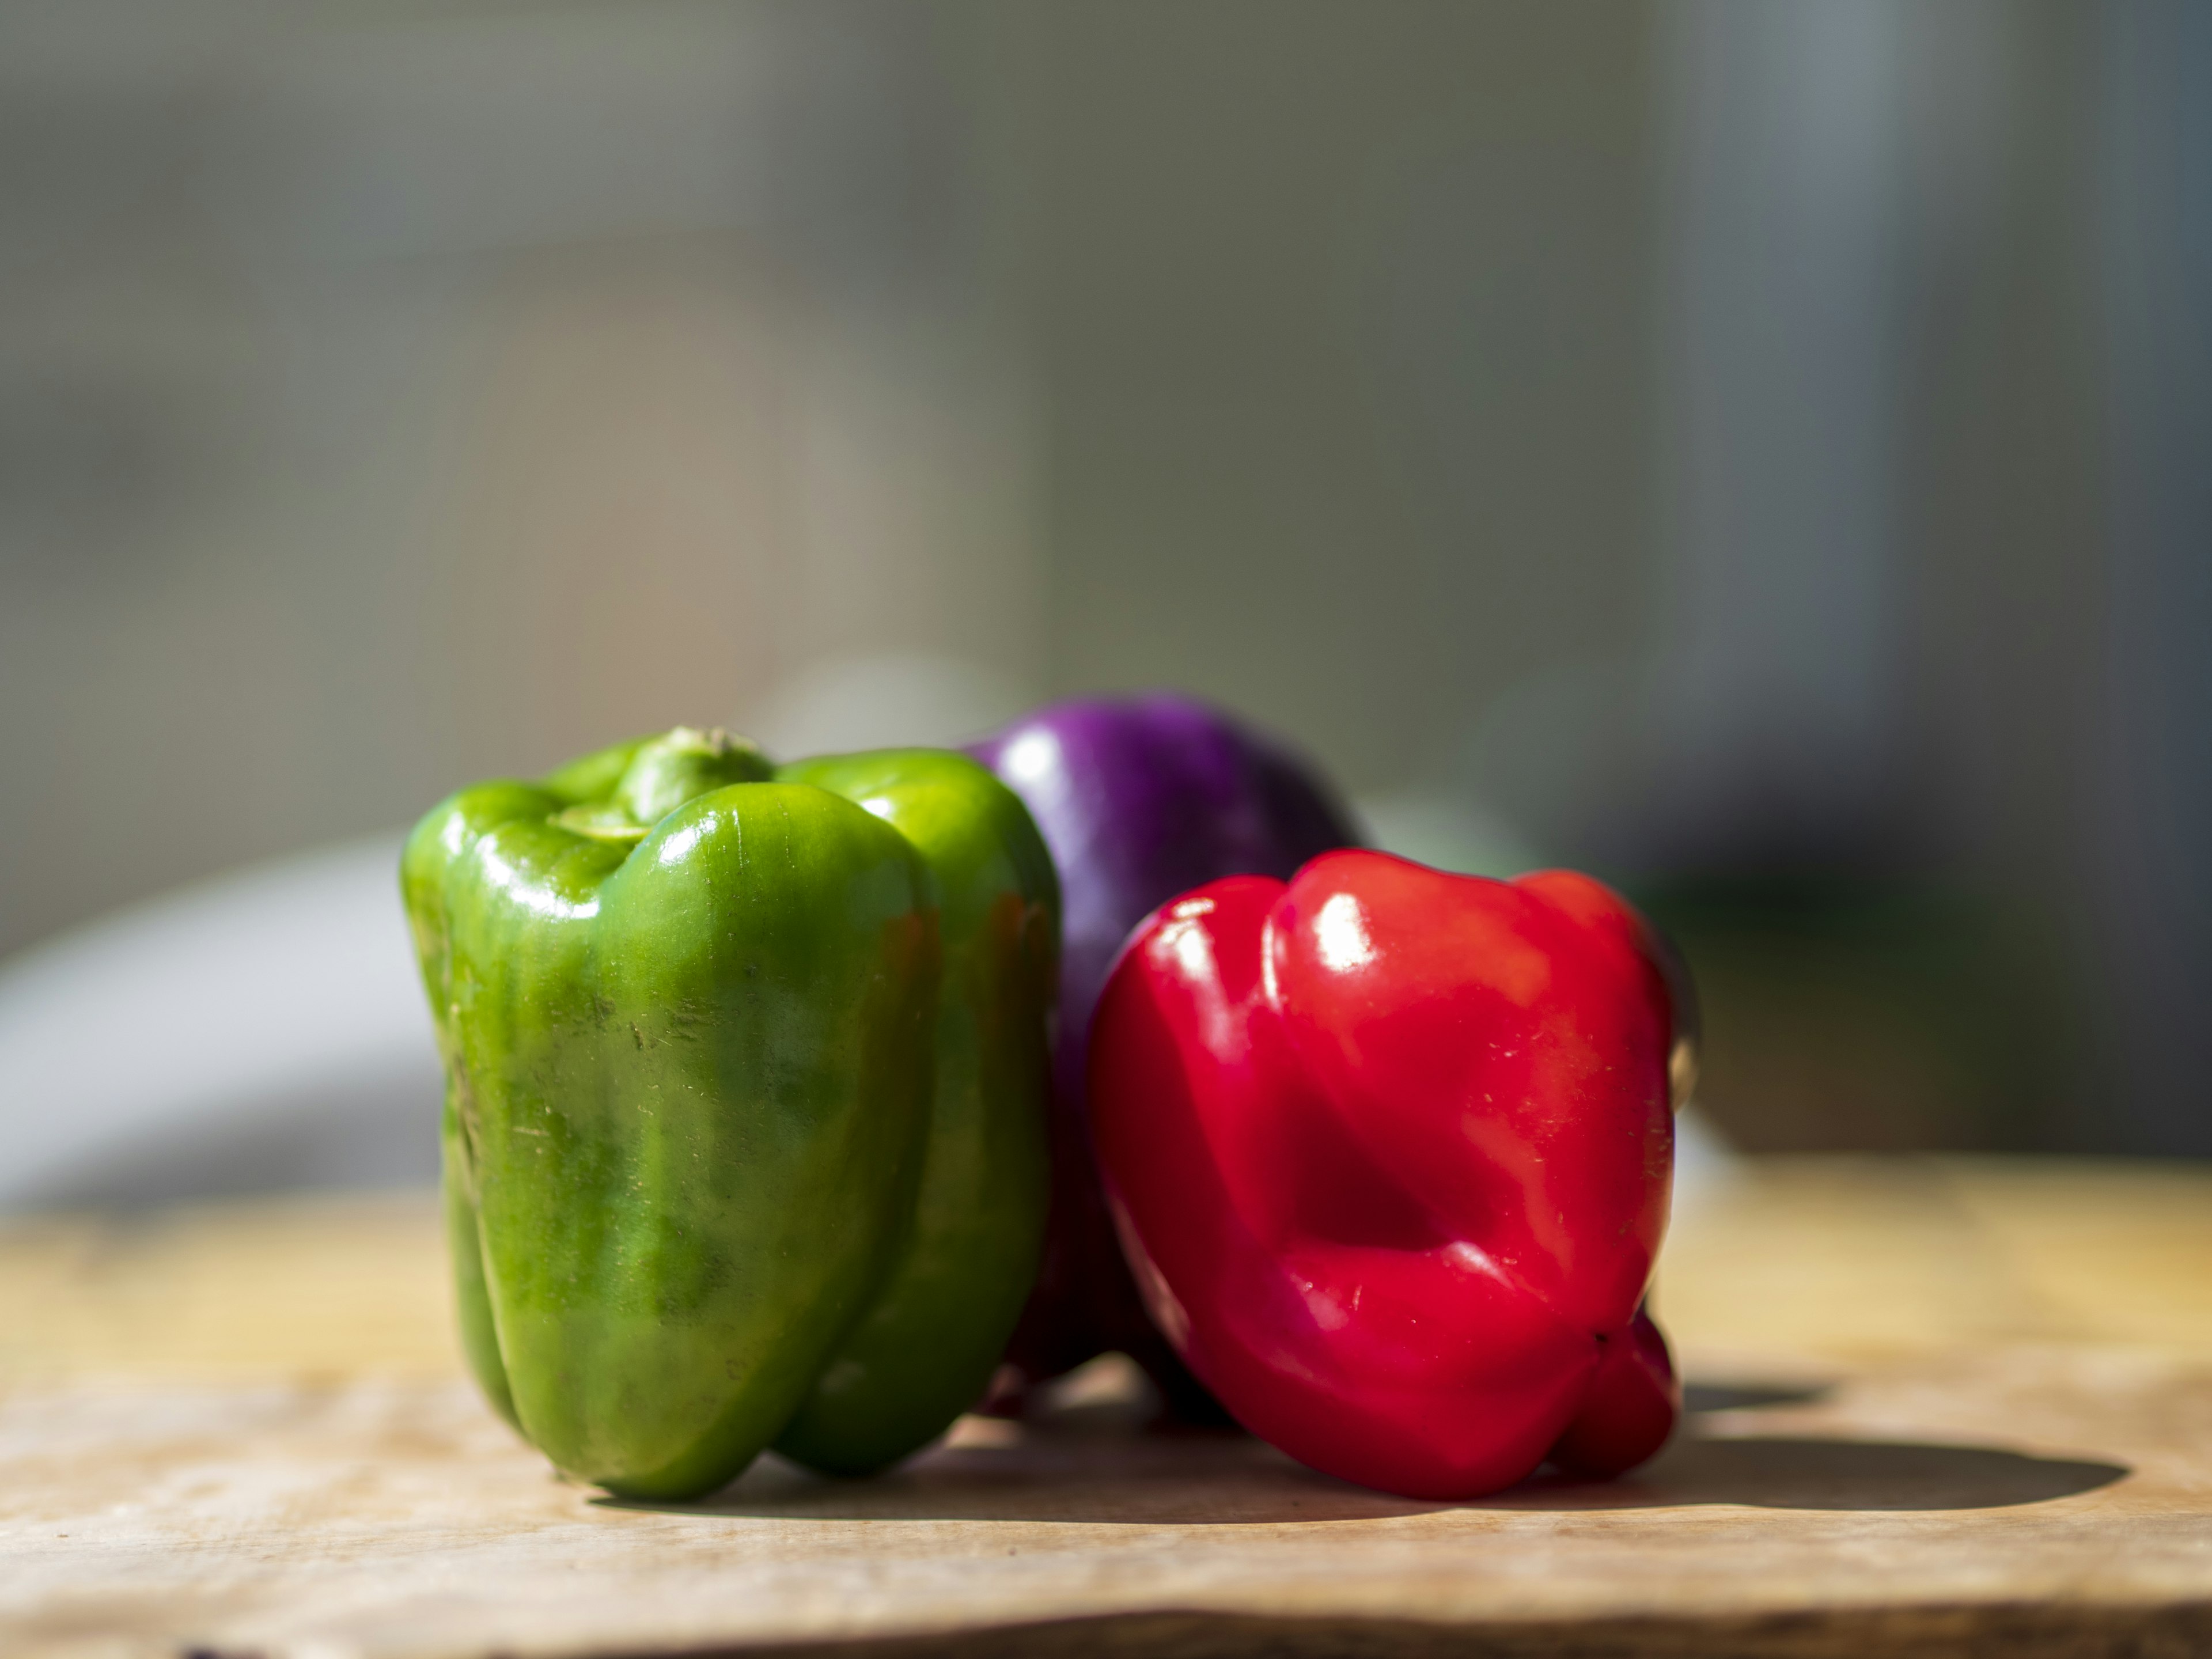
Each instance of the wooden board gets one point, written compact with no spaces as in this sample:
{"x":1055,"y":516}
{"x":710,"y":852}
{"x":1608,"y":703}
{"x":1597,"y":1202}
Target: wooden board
{"x":1945,"y":1407}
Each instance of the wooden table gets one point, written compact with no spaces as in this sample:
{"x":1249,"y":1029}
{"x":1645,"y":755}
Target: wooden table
{"x":1940,"y":1406}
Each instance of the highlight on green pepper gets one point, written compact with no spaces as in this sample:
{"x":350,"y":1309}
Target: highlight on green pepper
{"x":745,"y":1121}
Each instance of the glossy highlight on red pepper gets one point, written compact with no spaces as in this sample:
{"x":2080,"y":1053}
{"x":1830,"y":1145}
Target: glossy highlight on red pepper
{"x":1389,"y":1150}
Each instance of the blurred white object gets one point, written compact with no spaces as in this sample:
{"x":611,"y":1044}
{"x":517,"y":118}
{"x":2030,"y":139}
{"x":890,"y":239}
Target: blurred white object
{"x":263,"y":1029}
{"x":1704,"y":1164}
{"x":882,"y":700}
{"x":1436,"y":829}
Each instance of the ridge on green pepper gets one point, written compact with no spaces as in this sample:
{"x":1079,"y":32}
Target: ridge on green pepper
{"x":744,"y":1135}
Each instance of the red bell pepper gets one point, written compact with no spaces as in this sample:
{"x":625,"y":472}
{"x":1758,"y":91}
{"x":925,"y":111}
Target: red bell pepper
{"x":1389,"y":1152}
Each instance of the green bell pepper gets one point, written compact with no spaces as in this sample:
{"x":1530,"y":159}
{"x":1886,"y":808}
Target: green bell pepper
{"x":744,"y":1124}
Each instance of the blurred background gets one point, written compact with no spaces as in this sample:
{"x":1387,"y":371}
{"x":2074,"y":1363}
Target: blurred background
{"x":1758,"y":450}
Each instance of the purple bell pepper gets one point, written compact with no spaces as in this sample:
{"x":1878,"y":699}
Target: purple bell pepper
{"x":1139,"y":800}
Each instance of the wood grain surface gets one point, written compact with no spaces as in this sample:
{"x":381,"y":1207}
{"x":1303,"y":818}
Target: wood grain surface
{"x":1940,"y":1406}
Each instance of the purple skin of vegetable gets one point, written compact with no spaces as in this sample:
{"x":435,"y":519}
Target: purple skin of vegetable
{"x":1138,"y":800}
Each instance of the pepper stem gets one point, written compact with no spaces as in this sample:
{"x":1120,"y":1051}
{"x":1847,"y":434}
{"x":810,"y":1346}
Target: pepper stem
{"x":666,"y":771}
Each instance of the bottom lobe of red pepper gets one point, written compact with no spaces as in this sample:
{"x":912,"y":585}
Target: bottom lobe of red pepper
{"x":1388,"y":1152}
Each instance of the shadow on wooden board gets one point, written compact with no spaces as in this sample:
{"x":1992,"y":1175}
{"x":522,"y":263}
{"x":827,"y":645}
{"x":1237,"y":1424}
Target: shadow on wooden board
{"x":1806,"y":1473}
{"x":1106,"y":1471}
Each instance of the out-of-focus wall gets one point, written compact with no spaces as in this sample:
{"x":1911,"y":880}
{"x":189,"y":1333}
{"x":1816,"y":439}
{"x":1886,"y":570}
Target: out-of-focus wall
{"x":1345,"y":322}
{"x":391,"y":395}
